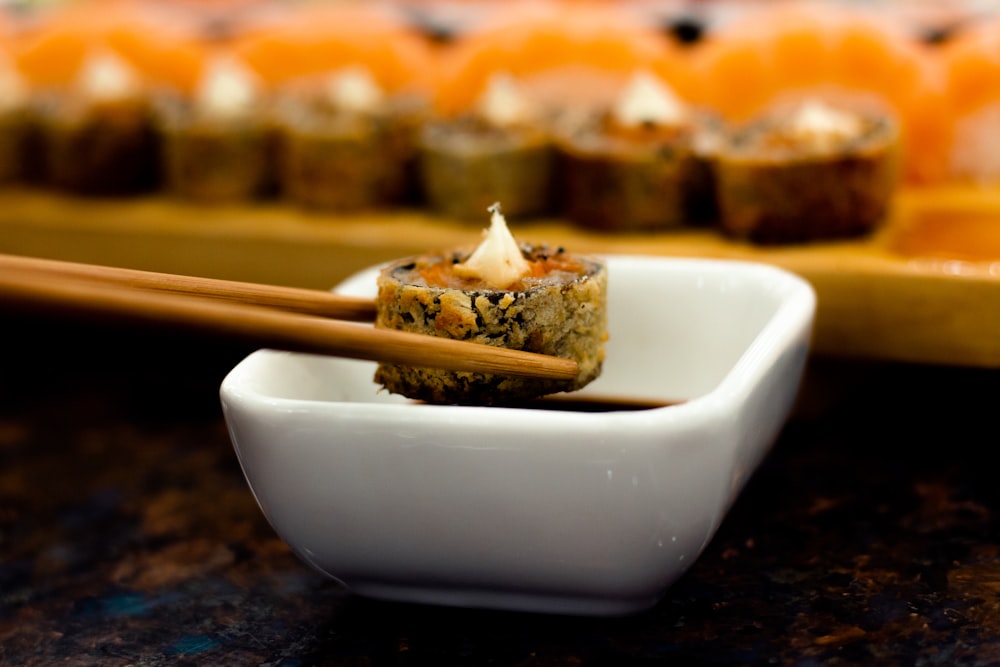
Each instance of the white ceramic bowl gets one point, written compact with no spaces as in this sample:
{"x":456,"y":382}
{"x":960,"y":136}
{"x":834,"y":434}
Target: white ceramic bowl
{"x":555,"y":511}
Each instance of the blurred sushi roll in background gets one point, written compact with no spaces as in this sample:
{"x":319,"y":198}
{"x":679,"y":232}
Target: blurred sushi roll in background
{"x":809,"y":172}
{"x":350,"y":107}
{"x":218,"y":140}
{"x":510,"y":88}
{"x":98,"y":133}
{"x":344,"y":146}
{"x":501,"y":148}
{"x":644,"y":163}
{"x":836,"y":53}
{"x":92,"y":70}
{"x":19,"y":138}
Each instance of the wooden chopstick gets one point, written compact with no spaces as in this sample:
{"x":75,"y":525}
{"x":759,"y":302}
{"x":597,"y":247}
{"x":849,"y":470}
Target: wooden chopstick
{"x":267,"y":326}
{"x":294,"y":299}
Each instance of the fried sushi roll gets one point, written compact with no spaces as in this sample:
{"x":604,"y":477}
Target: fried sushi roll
{"x":99,"y":137}
{"x":219,"y":142}
{"x":18,"y":126}
{"x":643,"y":164}
{"x":502,"y":149}
{"x":346,"y":144}
{"x":815,"y":172}
{"x":18,"y":142}
{"x":532,"y":298}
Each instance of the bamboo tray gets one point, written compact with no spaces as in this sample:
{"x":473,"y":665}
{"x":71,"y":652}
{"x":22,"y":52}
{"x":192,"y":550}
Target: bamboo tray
{"x":924,"y":289}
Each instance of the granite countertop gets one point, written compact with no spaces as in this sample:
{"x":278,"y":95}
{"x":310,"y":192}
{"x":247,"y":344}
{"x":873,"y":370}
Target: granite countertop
{"x":128,"y":535}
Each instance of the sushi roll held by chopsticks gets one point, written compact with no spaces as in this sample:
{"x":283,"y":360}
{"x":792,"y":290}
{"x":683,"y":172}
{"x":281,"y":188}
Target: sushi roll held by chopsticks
{"x":521,"y":296}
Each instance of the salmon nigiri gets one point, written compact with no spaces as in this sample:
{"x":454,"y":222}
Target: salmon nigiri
{"x":163,"y":48}
{"x":312,"y":39}
{"x":971,"y":64}
{"x":794,"y":52}
{"x":561,"y":54}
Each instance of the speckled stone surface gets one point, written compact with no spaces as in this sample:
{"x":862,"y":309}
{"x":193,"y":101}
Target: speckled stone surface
{"x":128,"y":536}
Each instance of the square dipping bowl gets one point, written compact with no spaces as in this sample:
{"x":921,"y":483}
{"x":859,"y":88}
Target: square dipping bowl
{"x":577,"y":510}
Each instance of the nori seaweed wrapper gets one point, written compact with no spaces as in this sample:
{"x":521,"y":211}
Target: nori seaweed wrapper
{"x":774,"y":189}
{"x":645,"y":178}
{"x":562,"y":314}
{"x":466,"y":164}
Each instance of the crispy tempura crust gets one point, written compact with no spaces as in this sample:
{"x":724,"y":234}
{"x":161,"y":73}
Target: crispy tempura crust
{"x":566,"y":317}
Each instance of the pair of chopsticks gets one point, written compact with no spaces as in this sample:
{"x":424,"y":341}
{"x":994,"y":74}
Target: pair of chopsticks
{"x":288,"y":318}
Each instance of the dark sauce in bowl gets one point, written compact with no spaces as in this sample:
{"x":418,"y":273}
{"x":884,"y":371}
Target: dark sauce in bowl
{"x":593,"y":404}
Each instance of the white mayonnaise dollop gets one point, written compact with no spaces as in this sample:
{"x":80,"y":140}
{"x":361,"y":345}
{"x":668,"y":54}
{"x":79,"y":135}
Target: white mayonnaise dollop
{"x":498,"y":260}
{"x":503,"y":103}
{"x":105,"y":77}
{"x":821,"y":126}
{"x":354,"y":89}
{"x":227,"y":88}
{"x":647,"y":99}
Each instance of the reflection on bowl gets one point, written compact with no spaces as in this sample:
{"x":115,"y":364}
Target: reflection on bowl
{"x":569,"y":511}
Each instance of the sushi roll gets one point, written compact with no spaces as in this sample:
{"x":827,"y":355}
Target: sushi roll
{"x":811,"y":172}
{"x":351,"y":81}
{"x":18,"y":126}
{"x":971,"y":117}
{"x":346,"y":144}
{"x":99,"y":136}
{"x":643,"y":164}
{"x":779,"y":54}
{"x":218,"y":144}
{"x":551,"y":64}
{"x":502,"y":148}
{"x":94,"y":71}
{"x":533,"y":298}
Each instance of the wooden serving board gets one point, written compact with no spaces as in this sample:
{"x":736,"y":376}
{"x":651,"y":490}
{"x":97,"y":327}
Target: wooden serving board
{"x":925,"y":288}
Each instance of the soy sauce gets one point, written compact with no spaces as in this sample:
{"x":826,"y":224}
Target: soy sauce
{"x":593,"y":404}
